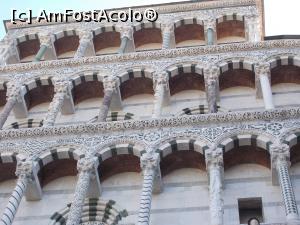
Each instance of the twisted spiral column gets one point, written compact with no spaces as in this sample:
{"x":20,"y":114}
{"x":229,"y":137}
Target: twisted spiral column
{"x":110,"y":85}
{"x":13,"y":93}
{"x":149,"y":165}
{"x":167,"y":32}
{"x":280,"y":159}
{"x":214,"y":164}
{"x":61,"y":90}
{"x":86,"y":168}
{"x":24,"y":173}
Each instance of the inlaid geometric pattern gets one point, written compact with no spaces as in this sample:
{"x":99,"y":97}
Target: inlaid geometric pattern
{"x":65,"y":33}
{"x":135,"y":73}
{"x":145,"y":25}
{"x":94,"y":209}
{"x":28,"y":123}
{"x":236,"y":64}
{"x":38,"y":82}
{"x":184,"y":68}
{"x":245,"y":140}
{"x":181,"y":145}
{"x":285,"y":61}
{"x":187,"y":21}
{"x":104,"y":29}
{"x":229,"y":17}
{"x":65,"y":152}
{"x":115,"y":116}
{"x":86,"y":76}
{"x":119,"y":149}
{"x":201,"y":109}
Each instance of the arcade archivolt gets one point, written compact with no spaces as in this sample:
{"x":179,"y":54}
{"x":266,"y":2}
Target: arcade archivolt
{"x":207,"y":137}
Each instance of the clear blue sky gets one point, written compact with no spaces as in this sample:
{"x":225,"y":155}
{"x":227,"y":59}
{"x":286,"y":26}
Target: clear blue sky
{"x":280,"y":18}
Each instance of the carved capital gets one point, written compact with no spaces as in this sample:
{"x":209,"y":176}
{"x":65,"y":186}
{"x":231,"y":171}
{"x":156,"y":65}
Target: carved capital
{"x":85,"y":35}
{"x":150,"y":162}
{"x":13,"y":90}
{"x":211,"y":73}
{"x":86,"y":165}
{"x":110,"y":83}
{"x":24,"y":169}
{"x":62,"y":86}
{"x":262,"y":69}
{"x":45,"y":39}
{"x":167,"y":27}
{"x":280,"y":154}
{"x":161,"y":79}
{"x":210,"y":23}
{"x":126,"y":31}
{"x":214,"y":158}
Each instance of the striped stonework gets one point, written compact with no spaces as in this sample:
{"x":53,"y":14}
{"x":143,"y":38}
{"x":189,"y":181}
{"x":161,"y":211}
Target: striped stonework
{"x":9,"y":157}
{"x":236,"y":64}
{"x":86,"y":76}
{"x":119,"y":149}
{"x":115,"y":116}
{"x":28,"y":123}
{"x":230,"y":17}
{"x":27,"y":37}
{"x":146,"y":25}
{"x":184,"y":68}
{"x":186,"y":21}
{"x":104,"y":29}
{"x":292,"y":139}
{"x":245,"y":140}
{"x":136,"y":73}
{"x":284,"y":61}
{"x":94,"y":209}
{"x":65,"y":33}
{"x":38,"y":82}
{"x":181,"y":145}
{"x":201,"y":109}
{"x":65,"y":152}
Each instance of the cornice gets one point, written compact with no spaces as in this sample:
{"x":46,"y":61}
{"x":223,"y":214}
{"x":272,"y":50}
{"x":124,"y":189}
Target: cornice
{"x":151,"y":55}
{"x":184,"y":121}
{"x":168,"y":8}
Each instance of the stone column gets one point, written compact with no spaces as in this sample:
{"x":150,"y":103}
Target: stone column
{"x":86,"y":168}
{"x":161,"y":90}
{"x":45,"y":43}
{"x":252,"y":28}
{"x":280,"y":158}
{"x":61,"y":89}
{"x":214,"y":166}
{"x":8,"y":52}
{"x":127,"y":44}
{"x":24,"y":174}
{"x":168,"y":36}
{"x":210,"y":31}
{"x":211,"y":76}
{"x":262,"y":72}
{"x":110,"y":85}
{"x":85,"y":44}
{"x":12,"y":95}
{"x":151,"y":172}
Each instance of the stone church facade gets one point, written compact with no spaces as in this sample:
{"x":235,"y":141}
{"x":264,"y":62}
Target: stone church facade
{"x":192,"y":119}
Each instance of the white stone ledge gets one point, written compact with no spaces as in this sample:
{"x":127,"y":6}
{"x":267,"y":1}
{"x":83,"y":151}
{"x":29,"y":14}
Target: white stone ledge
{"x":183,"y":121}
{"x":151,"y":55}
